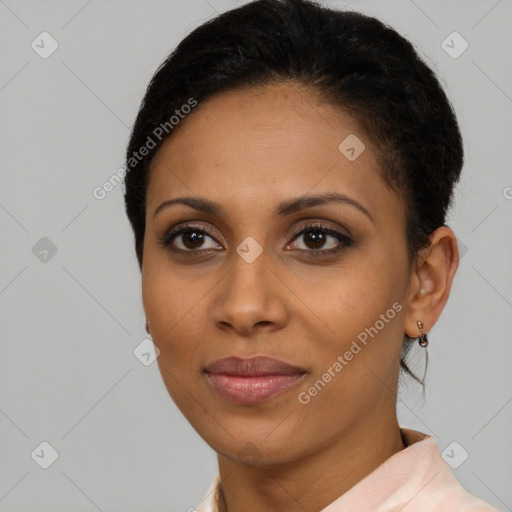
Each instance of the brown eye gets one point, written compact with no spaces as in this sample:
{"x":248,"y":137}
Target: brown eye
{"x":192,"y":239}
{"x":189,"y":239}
{"x":320,"y":239}
{"x":315,"y":239}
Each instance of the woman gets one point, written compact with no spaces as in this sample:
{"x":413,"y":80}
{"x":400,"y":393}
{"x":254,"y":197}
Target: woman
{"x":289,"y":174}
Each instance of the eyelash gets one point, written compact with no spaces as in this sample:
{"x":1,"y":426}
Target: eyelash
{"x":344,"y":239}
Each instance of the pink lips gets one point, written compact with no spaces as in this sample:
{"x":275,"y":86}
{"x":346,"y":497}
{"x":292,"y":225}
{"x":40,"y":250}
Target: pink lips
{"x":252,"y":380}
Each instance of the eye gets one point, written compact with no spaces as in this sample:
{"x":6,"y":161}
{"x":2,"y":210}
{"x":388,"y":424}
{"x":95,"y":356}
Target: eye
{"x":189,"y":238}
{"x":318,"y":238}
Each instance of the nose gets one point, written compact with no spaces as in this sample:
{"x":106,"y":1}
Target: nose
{"x":250,"y":297}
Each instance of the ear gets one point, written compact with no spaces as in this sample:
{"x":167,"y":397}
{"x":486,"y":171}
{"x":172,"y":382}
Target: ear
{"x":431,"y":281}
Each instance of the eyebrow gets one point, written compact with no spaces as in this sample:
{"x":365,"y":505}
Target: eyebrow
{"x":285,"y":208}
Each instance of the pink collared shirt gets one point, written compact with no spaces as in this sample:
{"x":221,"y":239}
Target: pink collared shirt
{"x":416,"y":479}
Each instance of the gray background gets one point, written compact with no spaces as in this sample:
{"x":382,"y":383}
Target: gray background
{"x":70,"y":321}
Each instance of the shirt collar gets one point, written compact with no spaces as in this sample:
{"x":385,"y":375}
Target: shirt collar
{"x":418,"y":472}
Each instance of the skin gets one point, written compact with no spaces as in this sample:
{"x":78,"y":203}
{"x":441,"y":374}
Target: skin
{"x":248,"y":150}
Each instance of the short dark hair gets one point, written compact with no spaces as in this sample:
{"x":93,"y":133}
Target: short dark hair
{"x":355,"y":61}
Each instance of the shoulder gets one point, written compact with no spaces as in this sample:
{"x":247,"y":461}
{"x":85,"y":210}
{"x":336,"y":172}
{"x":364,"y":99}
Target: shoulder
{"x":438,"y":488}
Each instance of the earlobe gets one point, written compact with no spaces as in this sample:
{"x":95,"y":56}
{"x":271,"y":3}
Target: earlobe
{"x":431,"y":282}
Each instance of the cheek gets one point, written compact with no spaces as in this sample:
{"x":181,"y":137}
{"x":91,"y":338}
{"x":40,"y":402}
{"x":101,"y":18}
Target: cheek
{"x":176,"y":318}
{"x":168,"y":292}
{"x":173,"y":309}
{"x":358,"y":359}
{"x":364,"y":315}
{"x":354,"y":299}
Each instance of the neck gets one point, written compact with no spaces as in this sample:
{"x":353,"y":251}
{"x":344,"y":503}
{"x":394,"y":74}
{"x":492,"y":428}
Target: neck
{"x":333,"y":470}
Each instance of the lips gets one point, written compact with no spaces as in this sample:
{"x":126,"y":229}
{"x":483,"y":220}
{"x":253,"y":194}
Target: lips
{"x":252,"y":380}
{"x":254,"y":367}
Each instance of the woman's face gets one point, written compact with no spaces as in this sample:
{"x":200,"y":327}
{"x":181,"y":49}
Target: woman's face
{"x":242,"y":283}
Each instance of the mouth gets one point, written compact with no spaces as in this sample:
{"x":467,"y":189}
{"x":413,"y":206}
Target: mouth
{"x":249,"y":381}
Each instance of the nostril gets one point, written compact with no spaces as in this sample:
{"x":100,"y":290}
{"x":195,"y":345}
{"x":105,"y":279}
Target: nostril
{"x":264,"y":322}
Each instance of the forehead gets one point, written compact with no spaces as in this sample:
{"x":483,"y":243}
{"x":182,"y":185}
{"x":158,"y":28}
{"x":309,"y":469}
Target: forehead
{"x":275,"y":141}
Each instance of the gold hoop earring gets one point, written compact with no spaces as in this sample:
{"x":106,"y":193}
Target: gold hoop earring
{"x":423,"y":340}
